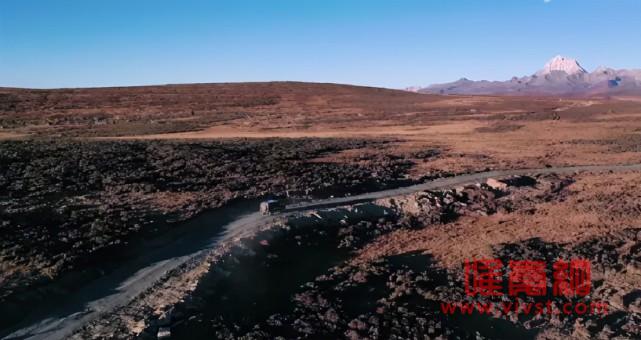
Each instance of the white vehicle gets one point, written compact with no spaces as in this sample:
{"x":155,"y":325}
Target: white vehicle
{"x":270,"y":206}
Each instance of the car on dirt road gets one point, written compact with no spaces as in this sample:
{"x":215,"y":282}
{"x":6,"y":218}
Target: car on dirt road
{"x":271,"y":206}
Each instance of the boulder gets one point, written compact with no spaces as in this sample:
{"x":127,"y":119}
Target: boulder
{"x":495,"y":184}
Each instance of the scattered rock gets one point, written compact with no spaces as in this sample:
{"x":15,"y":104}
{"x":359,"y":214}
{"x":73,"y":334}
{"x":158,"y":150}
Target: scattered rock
{"x":495,"y":184}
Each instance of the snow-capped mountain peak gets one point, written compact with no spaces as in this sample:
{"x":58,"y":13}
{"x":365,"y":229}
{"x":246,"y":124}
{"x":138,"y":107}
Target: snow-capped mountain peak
{"x":560,"y":76}
{"x":564,"y":64}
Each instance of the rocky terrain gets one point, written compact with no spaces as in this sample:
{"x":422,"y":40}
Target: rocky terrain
{"x":92,"y":177}
{"x":70,"y":210}
{"x":371,"y":272}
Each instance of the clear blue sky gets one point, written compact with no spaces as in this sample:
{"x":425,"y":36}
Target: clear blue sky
{"x":391,"y":43}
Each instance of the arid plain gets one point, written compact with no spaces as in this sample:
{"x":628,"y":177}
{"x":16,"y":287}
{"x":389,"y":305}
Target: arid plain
{"x":89,"y":176}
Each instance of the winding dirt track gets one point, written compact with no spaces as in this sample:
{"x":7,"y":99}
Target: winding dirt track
{"x":121,"y":286}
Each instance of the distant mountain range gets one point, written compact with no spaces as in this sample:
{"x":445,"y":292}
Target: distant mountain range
{"x":560,"y":76}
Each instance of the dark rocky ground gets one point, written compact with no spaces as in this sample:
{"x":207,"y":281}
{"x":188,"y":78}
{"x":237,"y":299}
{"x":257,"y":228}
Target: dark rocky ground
{"x":301,"y":280}
{"x":73,"y":206}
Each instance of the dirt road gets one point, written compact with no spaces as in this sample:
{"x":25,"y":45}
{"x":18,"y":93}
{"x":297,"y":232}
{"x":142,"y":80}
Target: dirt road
{"x":205,"y":232}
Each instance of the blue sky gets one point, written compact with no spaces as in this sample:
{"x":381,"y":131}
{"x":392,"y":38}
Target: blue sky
{"x":391,"y":43}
